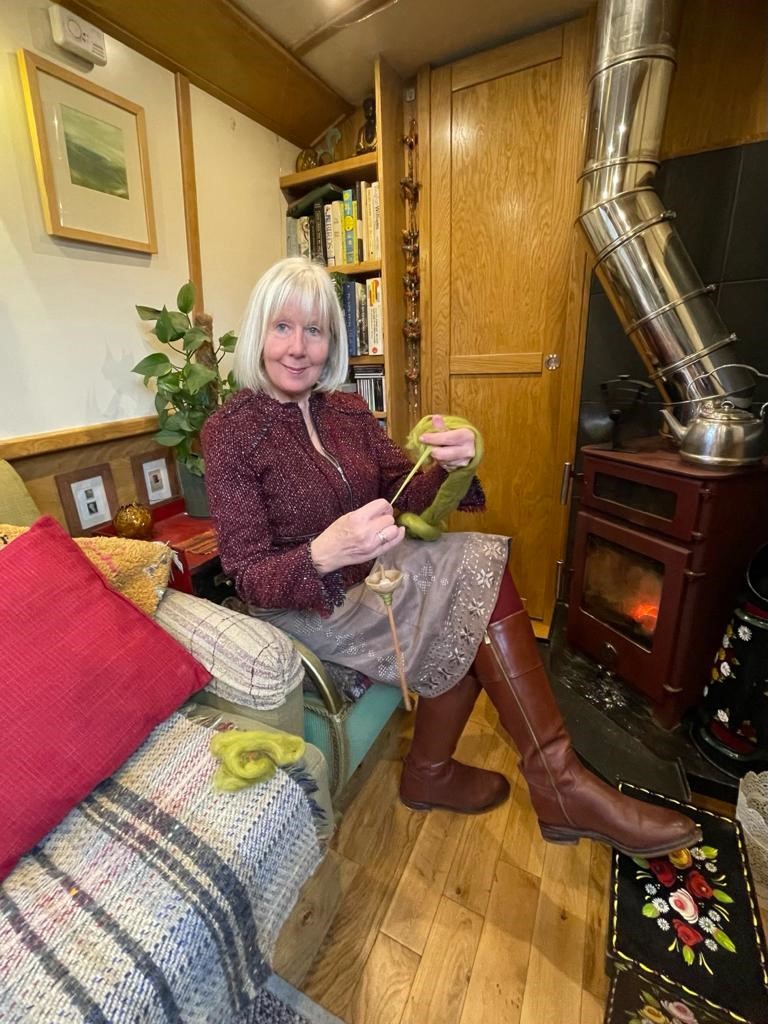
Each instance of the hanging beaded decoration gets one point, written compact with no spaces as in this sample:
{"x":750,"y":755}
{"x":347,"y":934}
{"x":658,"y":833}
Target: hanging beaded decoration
{"x":409,"y":187}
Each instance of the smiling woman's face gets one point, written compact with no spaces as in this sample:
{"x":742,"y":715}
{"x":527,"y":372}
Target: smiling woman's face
{"x":295,"y":352}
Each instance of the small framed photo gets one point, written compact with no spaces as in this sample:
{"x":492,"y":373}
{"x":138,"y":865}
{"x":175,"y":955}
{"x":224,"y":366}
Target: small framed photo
{"x":88,"y":498}
{"x":155,"y":477}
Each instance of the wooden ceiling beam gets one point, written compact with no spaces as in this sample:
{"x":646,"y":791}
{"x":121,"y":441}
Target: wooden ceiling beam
{"x":223,"y":52}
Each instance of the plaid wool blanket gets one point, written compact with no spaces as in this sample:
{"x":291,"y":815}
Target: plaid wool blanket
{"x":157,"y":899}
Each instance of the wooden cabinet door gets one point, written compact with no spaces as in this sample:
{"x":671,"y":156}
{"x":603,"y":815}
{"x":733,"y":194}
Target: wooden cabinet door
{"x":505,"y":148}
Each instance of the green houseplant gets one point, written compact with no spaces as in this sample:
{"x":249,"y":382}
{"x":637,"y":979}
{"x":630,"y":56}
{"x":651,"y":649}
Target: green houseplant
{"x":188,"y":379}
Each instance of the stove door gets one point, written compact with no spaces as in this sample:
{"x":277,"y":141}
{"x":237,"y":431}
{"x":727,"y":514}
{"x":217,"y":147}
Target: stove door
{"x":626,"y":601}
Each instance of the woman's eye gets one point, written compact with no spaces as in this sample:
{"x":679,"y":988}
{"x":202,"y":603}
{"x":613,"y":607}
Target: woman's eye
{"x":281,"y":327}
{"x":314,"y":331}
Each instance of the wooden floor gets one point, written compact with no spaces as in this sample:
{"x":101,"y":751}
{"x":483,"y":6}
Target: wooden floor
{"x":445,"y":919}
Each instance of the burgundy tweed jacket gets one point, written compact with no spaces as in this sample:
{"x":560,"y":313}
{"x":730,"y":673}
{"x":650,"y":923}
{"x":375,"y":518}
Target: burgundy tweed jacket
{"x":271,"y":492}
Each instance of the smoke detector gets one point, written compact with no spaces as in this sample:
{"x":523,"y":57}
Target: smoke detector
{"x":77,"y":35}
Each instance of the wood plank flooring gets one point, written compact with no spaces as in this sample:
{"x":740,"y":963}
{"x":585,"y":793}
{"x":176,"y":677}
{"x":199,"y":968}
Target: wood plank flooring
{"x":461,"y":920}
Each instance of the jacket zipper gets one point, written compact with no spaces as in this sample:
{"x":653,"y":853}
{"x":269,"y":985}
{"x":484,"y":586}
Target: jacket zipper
{"x":337,"y":466}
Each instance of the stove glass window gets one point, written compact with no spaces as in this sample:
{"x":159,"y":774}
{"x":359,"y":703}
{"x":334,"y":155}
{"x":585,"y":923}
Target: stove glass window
{"x":622,"y":588}
{"x":653,"y":500}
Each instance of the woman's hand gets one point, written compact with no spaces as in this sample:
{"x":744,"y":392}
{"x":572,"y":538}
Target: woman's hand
{"x":451,"y":448}
{"x":356,"y":537}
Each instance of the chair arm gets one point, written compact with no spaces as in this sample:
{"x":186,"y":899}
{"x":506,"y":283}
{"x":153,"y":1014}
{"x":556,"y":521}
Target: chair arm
{"x":253,"y":663}
{"x":325,"y":686}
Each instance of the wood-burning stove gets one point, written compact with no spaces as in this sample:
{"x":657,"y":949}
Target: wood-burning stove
{"x":659,"y":555}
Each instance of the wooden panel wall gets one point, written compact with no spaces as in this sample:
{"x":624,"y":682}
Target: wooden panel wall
{"x":720,"y":91}
{"x":39,"y":471}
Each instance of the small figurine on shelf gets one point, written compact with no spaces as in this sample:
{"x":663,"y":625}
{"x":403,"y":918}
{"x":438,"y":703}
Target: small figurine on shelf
{"x":366,"y":137}
{"x":306,"y":160}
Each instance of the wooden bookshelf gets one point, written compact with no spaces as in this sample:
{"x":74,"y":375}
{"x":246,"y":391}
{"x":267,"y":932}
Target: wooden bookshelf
{"x":342,"y":172}
{"x":369,"y":268}
{"x":386,"y":166}
{"x":366,"y":360}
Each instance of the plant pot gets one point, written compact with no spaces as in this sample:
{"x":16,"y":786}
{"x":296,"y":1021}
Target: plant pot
{"x":193,"y":489}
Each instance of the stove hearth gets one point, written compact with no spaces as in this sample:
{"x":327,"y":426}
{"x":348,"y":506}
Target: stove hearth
{"x":659,"y":554}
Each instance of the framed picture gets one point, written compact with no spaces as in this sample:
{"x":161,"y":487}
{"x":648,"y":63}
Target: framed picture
{"x":155,"y":477}
{"x":88,"y":498}
{"x":90,"y":150}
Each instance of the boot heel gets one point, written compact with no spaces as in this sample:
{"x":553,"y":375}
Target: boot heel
{"x":554,"y":835}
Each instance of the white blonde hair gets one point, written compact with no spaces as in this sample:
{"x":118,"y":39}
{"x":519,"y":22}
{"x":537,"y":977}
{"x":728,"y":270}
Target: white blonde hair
{"x":309,"y":285}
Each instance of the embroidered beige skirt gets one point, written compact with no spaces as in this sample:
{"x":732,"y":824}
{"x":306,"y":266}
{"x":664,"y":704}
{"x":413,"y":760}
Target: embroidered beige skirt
{"x":441,"y":610}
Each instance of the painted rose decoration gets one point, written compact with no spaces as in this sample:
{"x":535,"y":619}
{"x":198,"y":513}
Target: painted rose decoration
{"x":685,"y":895}
{"x":655,"y":1010}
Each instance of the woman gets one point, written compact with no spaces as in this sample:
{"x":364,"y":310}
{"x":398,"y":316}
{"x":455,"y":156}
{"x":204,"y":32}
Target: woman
{"x":299,"y":476}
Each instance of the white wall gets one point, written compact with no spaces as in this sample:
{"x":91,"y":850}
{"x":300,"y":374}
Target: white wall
{"x":241,"y":208}
{"x":68,"y":330}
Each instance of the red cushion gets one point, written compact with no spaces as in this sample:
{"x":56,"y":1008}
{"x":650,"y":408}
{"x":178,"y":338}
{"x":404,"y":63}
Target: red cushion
{"x":84,"y":678}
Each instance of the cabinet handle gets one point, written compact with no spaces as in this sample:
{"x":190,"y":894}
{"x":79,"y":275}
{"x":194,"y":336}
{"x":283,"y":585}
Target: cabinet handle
{"x":565,"y":482}
{"x":691,"y":574}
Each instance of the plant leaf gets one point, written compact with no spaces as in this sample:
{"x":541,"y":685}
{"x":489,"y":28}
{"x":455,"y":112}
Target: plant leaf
{"x":180,"y":322}
{"x":185,"y":300}
{"x":649,"y":910}
{"x":155,"y":365}
{"x":197,"y":376}
{"x":722,"y":940}
{"x":161,"y":401}
{"x":169,"y":438}
{"x":688,"y":955}
{"x":164,"y":327}
{"x":722,"y":897}
{"x":193,"y":339}
{"x":650,"y":999}
{"x":228,"y":341}
{"x":709,"y":852}
{"x":147,"y":312}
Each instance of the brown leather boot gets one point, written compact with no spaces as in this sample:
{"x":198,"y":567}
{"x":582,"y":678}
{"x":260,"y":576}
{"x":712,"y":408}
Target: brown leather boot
{"x":569,"y":800}
{"x":431,"y":778}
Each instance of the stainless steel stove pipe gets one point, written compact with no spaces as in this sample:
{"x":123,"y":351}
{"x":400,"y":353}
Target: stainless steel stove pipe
{"x":664,"y":307}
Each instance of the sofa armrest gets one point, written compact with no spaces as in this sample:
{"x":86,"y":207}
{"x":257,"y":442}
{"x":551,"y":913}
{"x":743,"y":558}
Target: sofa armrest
{"x":254,"y":664}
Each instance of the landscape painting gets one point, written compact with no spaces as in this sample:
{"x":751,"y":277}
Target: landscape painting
{"x":91,"y":155}
{"x":95,"y":152}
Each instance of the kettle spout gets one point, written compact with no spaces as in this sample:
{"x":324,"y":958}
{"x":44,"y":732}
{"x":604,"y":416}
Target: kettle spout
{"x":678,"y":430}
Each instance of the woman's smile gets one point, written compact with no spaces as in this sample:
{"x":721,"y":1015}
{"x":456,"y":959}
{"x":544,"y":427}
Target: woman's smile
{"x":295,"y":353}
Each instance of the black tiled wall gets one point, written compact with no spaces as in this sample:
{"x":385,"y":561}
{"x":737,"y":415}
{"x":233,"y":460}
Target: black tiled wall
{"x":721,"y":202}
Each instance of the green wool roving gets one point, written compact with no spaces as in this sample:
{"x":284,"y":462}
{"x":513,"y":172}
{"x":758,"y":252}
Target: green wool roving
{"x":251,"y":757}
{"x":430,"y":524}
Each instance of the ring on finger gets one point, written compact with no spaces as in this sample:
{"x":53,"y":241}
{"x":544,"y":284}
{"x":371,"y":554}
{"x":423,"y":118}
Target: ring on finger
{"x":381,"y":536}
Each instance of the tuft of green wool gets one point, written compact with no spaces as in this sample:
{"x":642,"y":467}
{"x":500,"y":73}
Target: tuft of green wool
{"x":431,"y":523}
{"x":251,"y":757}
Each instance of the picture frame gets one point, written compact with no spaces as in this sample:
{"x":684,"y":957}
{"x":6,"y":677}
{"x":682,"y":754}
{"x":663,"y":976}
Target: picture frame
{"x":88,"y":498}
{"x":91,"y":158}
{"x":155,"y":477}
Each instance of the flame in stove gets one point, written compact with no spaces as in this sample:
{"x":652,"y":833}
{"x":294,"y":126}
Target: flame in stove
{"x":645,"y":614}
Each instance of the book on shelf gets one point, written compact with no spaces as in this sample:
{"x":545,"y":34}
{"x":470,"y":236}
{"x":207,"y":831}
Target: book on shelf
{"x":317,"y":227}
{"x":349,"y":309}
{"x":362,"y":321}
{"x":350,"y":226}
{"x":374,"y":316}
{"x":338,"y":228}
{"x":325,"y":193}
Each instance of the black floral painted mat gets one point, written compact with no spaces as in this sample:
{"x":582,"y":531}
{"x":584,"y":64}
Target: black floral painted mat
{"x":690,"y":919}
{"x":642,"y":999}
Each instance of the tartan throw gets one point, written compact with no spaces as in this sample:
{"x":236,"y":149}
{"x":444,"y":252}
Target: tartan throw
{"x":156,"y":899}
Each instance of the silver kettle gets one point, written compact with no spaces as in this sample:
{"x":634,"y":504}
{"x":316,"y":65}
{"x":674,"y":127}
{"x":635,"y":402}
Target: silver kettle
{"x":721,"y":436}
